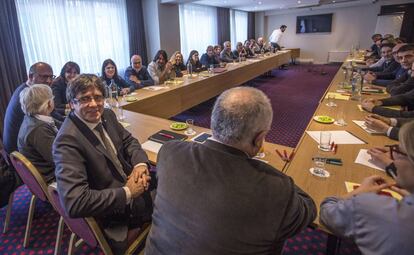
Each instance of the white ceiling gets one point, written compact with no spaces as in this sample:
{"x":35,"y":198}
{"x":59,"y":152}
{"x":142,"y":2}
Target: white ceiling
{"x":267,"y":5}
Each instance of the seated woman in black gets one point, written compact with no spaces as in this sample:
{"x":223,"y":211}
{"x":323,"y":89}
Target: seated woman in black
{"x":69,"y":71}
{"x":110,"y":73}
{"x":208,"y":58}
{"x":195,"y":62}
{"x":178,"y":63}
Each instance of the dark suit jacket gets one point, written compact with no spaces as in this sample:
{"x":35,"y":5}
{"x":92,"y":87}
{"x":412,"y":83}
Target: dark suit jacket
{"x":227,"y":56}
{"x":142,"y":75}
{"x":396,"y":130}
{"x":400,"y":85}
{"x":13,"y":120}
{"x":88,"y":182}
{"x":405,"y":100}
{"x":35,"y":141}
{"x":214,"y":199}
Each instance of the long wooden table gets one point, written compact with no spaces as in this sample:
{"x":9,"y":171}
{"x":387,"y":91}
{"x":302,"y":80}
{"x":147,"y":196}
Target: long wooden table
{"x":143,"y":126}
{"x":320,"y":188}
{"x":175,"y":99}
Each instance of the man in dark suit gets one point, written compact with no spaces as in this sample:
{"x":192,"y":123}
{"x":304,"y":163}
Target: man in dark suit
{"x":387,"y":126}
{"x":101,"y":170}
{"x":39,"y":73}
{"x":215,"y":198}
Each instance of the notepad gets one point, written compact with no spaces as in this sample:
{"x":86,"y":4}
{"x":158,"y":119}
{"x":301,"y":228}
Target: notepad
{"x":337,"y":96}
{"x":151,"y":146}
{"x":362,"y":125}
{"x":164,"y":136}
{"x":365,"y":159}
{"x":337,"y":136}
{"x":350,"y":186}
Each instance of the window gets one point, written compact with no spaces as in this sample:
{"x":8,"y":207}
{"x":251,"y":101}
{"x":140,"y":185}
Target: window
{"x":198,"y":28}
{"x":84,"y":31}
{"x":238,"y":27}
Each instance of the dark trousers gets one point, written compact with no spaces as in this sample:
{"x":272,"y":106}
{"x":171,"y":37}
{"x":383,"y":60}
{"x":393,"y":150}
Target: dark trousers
{"x":276,"y":46}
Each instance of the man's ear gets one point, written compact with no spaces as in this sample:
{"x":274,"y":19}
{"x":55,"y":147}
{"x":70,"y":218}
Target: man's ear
{"x":71,"y":104}
{"x":259,"y":139}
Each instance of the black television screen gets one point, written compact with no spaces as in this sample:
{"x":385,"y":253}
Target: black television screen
{"x":314,"y":23}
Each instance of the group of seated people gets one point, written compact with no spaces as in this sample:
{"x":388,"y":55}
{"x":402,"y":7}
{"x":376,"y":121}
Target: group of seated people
{"x":211,"y":198}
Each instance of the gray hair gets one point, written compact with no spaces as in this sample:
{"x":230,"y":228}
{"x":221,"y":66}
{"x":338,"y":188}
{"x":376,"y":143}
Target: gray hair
{"x":225,"y":43}
{"x":34,"y":99}
{"x":239,"y":114}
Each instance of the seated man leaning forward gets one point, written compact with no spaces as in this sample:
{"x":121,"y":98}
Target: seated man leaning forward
{"x":214,"y":198}
{"x":101,"y":170}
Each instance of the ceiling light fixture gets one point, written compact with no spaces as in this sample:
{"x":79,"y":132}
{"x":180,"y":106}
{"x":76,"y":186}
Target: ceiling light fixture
{"x":299,"y":1}
{"x":259,"y":2}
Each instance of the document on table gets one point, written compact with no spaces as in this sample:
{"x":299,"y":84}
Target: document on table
{"x":151,"y":146}
{"x":365,"y":159}
{"x":337,"y":136}
{"x":154,"y":88}
{"x":350,"y":186}
{"x":362,"y":125}
{"x":360,"y":108}
{"x":337,"y":96}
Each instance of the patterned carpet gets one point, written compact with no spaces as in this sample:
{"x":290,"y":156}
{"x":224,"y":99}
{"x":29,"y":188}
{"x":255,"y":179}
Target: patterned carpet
{"x":292,"y":111}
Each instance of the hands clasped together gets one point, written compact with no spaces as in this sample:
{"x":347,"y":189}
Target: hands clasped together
{"x":138,"y":181}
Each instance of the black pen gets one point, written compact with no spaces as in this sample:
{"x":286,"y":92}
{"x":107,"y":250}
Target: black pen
{"x":357,"y":137}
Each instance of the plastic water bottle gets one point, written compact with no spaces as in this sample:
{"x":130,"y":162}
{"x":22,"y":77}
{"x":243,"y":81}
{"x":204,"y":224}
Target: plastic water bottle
{"x":356,"y":87}
{"x":190,"y":69}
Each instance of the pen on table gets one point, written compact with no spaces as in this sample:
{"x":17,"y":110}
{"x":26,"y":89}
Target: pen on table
{"x":291,"y":155}
{"x":365,"y":93}
{"x":285,"y":154}
{"x":332,"y":145}
{"x":166,"y":135}
{"x":335,"y":148}
{"x":280,"y":154}
{"x":357,"y":136}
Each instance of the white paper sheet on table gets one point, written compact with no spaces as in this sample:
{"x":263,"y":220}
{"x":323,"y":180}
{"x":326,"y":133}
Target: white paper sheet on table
{"x":362,"y":125}
{"x":154,"y":88}
{"x":337,"y":136}
{"x":365,"y":159}
{"x":152,"y":146}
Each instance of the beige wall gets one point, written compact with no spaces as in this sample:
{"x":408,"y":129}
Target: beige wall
{"x":162,"y":27}
{"x":350,"y":25}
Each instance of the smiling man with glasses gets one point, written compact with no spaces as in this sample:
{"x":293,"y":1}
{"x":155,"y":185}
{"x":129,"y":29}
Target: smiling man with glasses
{"x":101,"y":170}
{"x":137,"y":74}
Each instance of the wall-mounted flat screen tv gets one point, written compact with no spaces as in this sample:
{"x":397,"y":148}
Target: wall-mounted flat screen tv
{"x":314,"y":23}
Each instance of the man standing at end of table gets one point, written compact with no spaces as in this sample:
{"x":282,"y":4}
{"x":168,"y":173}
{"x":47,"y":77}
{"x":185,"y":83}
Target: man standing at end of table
{"x":276,"y":36}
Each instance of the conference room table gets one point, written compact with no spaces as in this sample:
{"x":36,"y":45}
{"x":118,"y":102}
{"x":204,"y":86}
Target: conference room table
{"x":183,"y":93}
{"x":317,"y":187}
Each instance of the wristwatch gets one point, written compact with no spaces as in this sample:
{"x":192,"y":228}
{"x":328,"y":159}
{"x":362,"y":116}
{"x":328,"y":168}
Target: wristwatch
{"x":391,"y":170}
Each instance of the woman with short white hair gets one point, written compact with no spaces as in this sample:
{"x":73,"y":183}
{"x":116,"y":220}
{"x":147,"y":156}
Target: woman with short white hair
{"x":38,"y":130}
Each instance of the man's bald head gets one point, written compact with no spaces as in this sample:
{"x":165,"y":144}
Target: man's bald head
{"x":136,"y":62}
{"x":40,"y":73}
{"x":239,"y":115}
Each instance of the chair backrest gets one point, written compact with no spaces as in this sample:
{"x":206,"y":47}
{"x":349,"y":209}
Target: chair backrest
{"x":85,"y":228}
{"x":30,"y":175}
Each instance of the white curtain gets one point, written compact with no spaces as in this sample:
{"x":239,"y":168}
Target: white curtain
{"x":238,"y":27}
{"x":84,"y":31}
{"x":198,"y":28}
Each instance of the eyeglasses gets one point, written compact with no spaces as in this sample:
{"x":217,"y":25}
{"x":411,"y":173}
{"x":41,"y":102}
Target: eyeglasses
{"x":395,"y":148}
{"x":136,"y":63}
{"x":46,"y":76}
{"x":88,"y":99}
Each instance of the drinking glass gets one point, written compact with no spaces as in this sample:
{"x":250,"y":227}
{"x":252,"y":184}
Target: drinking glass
{"x":325,"y":141}
{"x":319,"y":167}
{"x":190,"y":130}
{"x":331,"y":100}
{"x":340,"y":118}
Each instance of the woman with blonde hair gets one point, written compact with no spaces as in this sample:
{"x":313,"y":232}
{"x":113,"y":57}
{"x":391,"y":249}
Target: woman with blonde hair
{"x":177,"y":61}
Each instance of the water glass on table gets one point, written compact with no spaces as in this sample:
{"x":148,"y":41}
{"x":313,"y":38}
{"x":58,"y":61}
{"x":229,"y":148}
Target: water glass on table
{"x":325,"y":141}
{"x":190,"y":130}
{"x":319,"y":167}
{"x":331,"y":100}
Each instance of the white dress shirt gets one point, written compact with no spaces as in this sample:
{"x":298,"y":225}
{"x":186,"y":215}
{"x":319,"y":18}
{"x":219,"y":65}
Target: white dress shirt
{"x":276,"y":36}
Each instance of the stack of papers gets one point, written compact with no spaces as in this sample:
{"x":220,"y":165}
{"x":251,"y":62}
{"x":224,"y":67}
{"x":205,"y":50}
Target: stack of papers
{"x":365,"y":159}
{"x":151,"y":146}
{"x":337,"y":136}
{"x":362,"y":125}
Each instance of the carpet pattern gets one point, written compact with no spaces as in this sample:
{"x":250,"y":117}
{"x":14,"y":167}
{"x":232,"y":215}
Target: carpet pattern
{"x":292,"y":112}
{"x":294,"y":95}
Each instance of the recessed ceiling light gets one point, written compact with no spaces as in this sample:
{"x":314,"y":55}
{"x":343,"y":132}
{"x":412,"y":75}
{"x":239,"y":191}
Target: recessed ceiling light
{"x":259,"y":2}
{"x":333,"y":1}
{"x":299,"y":1}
